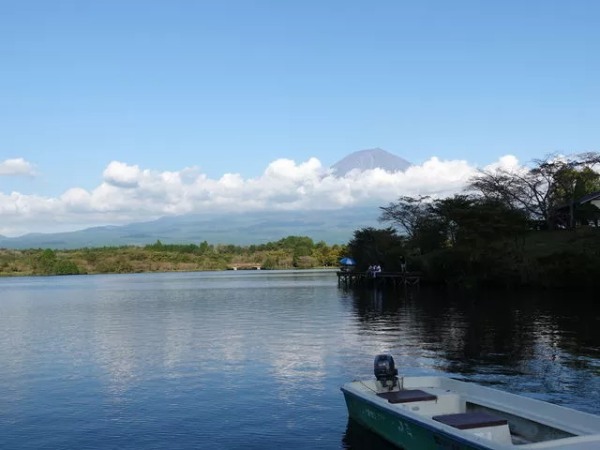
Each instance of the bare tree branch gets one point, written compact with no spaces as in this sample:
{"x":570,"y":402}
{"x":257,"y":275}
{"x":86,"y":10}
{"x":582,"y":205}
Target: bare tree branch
{"x":540,"y":191}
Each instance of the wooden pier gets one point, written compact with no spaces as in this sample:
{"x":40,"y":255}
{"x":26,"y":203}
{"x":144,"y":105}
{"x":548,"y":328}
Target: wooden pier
{"x":394,"y":279}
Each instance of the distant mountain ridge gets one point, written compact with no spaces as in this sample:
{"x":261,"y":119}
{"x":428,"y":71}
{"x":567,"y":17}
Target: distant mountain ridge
{"x":332,"y":226}
{"x":370,"y":159}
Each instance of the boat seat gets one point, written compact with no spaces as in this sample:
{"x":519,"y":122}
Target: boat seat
{"x":465,"y":421}
{"x":407,"y":395}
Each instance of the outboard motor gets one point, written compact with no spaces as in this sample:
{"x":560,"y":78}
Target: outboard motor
{"x":385,"y":371}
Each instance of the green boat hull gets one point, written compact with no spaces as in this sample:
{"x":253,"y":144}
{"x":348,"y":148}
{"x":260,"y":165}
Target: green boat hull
{"x":400,"y":430}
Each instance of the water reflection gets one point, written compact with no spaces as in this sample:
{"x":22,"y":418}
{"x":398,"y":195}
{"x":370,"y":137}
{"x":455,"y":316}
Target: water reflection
{"x":358,"y":437}
{"x":535,"y":344}
{"x":255,"y":360}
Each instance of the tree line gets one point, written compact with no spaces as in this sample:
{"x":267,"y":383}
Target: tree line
{"x":521,"y":227}
{"x":291,"y":252}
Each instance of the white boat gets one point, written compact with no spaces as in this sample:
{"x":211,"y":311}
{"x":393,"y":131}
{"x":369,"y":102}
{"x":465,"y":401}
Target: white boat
{"x":435,"y":413}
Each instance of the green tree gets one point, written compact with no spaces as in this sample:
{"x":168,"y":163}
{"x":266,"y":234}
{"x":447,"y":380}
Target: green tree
{"x":472,"y":222}
{"x":46,"y":261}
{"x":376,"y":246}
{"x":407,"y":214}
{"x":66,"y":267}
{"x":541,"y":191}
{"x":571,"y":185}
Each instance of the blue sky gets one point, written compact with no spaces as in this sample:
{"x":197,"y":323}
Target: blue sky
{"x":234,"y":86}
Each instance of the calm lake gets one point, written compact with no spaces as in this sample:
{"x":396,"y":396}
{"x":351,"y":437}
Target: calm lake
{"x":254,"y":360}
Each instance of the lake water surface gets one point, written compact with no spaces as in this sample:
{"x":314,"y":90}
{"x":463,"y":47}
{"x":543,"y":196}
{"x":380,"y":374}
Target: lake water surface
{"x":254,"y":360}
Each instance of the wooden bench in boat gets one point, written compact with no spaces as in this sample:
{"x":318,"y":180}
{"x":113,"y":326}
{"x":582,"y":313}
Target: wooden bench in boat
{"x":481,"y":424}
{"x":466,"y":421}
{"x":407,"y":396}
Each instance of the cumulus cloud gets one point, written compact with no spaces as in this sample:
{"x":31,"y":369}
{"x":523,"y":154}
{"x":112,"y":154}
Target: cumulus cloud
{"x":15,"y":167}
{"x":508,"y":163}
{"x":121,"y":175}
{"x":129,"y":193}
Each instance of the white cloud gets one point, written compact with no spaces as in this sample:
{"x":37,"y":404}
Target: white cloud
{"x":16,"y":166}
{"x":121,"y":175}
{"x":507,"y":163}
{"x":129,"y":193}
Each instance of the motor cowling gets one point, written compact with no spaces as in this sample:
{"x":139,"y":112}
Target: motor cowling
{"x":385,"y":370}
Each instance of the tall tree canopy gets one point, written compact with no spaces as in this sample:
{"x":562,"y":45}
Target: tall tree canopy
{"x":407,"y":214}
{"x":546,"y":189}
{"x":463,"y":220}
{"x":376,"y":246}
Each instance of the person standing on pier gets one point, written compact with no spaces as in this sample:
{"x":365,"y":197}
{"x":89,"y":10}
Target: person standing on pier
{"x":376,"y":270}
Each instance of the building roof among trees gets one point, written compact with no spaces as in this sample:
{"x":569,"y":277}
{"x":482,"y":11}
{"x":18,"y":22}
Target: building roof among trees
{"x":589,"y":197}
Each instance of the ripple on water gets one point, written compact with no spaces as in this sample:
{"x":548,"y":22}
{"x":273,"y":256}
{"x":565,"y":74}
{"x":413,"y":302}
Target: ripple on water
{"x":254,"y":360}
